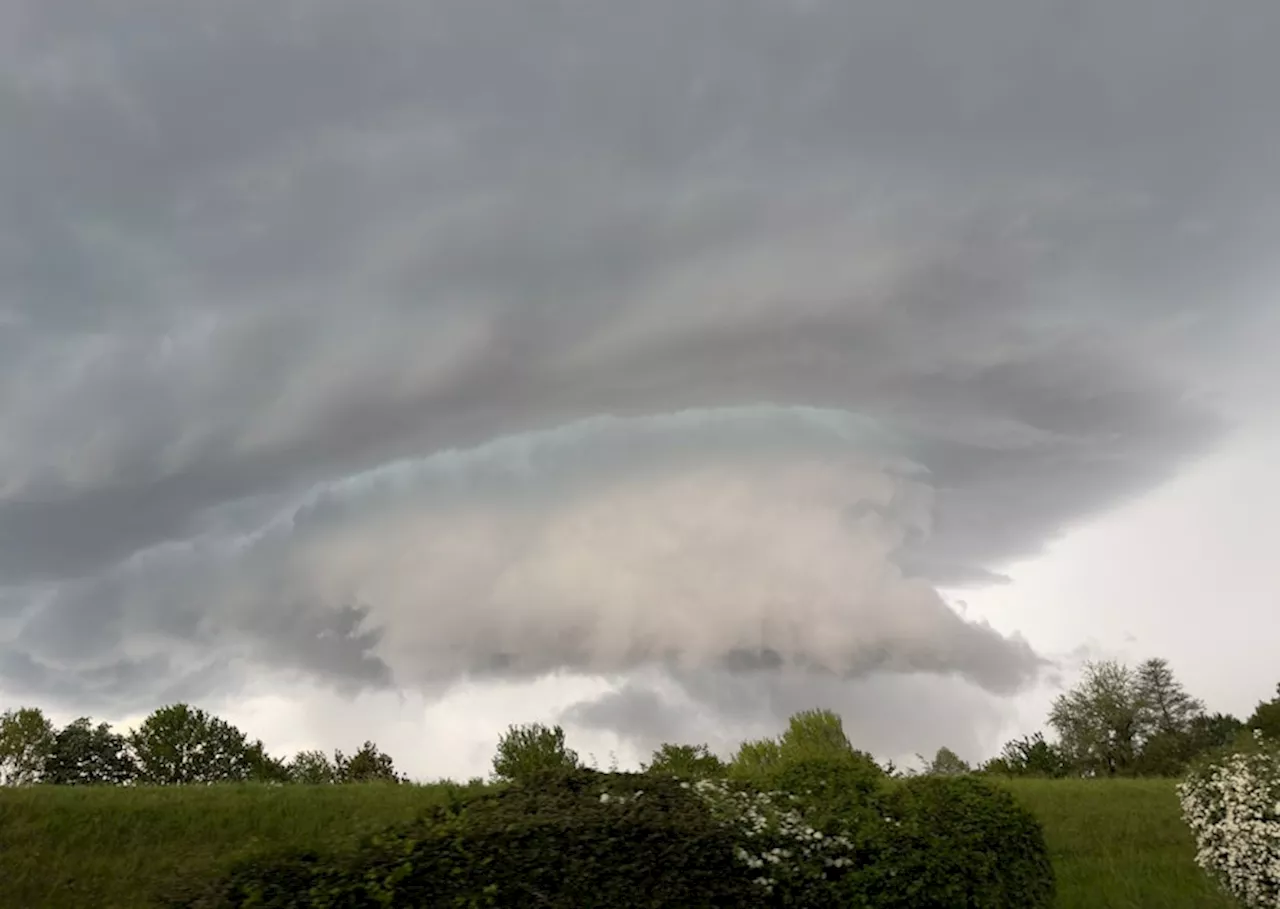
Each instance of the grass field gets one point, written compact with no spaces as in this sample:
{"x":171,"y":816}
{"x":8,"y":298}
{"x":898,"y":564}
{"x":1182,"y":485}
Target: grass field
{"x":1116,"y":844}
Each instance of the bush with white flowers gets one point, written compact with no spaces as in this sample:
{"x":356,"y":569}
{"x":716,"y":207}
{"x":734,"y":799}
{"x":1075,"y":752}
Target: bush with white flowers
{"x":1232,"y":805}
{"x":776,"y":840}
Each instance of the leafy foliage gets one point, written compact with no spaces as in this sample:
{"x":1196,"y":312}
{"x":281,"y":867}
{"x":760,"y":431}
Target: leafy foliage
{"x":365,"y":766}
{"x":1029,"y":756}
{"x":1266,"y":718}
{"x":1098,"y":721}
{"x":82,"y":754}
{"x":689,"y":762}
{"x":957,"y":841}
{"x":574,"y":838}
{"x":182,"y":744}
{"x":525,"y":751}
{"x":1165,"y":707}
{"x":756,"y":760}
{"x":263,"y":767}
{"x":26,"y":736}
{"x":312,"y":767}
{"x":945,"y":763}
{"x":1210,"y":732}
{"x":816,"y":734}
{"x":1124,"y":722}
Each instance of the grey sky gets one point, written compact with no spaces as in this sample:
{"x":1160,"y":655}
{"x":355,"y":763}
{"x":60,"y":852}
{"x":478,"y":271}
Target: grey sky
{"x":390,"y":345}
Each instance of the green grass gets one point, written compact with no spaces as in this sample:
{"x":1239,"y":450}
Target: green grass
{"x":1119,"y":844}
{"x":1116,"y":844}
{"x":118,"y":847}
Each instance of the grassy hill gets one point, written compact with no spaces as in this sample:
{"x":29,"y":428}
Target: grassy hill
{"x":1116,"y":844}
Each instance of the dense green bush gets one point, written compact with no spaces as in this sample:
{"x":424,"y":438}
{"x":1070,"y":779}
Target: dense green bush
{"x":828,"y":786}
{"x":956,"y":841}
{"x":571,"y":839}
{"x":580,"y":838}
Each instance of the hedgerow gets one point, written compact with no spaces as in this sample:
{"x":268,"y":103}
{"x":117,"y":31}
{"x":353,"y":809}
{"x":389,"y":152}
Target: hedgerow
{"x":584,"y":839}
{"x":576,"y":839}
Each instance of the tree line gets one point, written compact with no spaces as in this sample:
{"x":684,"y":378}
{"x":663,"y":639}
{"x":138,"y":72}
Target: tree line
{"x":177,"y":744}
{"x":1124,"y":721}
{"x":1118,"y":721}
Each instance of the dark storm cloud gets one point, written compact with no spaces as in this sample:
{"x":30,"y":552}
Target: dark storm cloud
{"x":248,"y":251}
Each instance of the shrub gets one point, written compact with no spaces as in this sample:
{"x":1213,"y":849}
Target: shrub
{"x":581,"y":838}
{"x":830,"y":790}
{"x":791,"y":861}
{"x":1231,"y":801}
{"x":957,"y":841}
{"x":929,"y":843}
{"x":571,"y":839}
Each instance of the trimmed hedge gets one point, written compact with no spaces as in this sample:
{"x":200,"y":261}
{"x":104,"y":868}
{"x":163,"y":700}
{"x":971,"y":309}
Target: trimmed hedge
{"x":552,"y":841}
{"x":958,"y":842}
{"x":586,"y":839}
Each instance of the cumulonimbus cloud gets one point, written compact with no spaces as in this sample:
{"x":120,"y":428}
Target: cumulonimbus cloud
{"x":833,"y":306}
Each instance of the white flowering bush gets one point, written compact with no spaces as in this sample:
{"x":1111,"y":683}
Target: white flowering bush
{"x":1232,"y":805}
{"x":776,"y":840}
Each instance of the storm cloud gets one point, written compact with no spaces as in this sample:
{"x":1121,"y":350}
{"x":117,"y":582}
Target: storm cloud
{"x":394,"y":345}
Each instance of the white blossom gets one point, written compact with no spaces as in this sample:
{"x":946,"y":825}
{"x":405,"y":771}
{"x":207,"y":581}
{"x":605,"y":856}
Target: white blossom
{"x":1233,"y":809}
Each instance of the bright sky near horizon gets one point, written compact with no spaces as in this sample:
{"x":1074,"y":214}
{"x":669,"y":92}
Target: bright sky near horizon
{"x":403,"y":371}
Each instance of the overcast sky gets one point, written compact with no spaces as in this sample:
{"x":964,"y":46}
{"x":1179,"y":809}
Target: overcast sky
{"x":404,"y":370}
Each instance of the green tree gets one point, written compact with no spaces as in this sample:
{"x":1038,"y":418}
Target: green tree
{"x":815,"y":732}
{"x":86,"y":755}
{"x":365,"y":766}
{"x":756,"y":759}
{"x":1099,"y":721}
{"x":1166,"y":714}
{"x":1211,"y":731}
{"x":529,"y":749}
{"x":815,"y":736}
{"x":945,"y":763}
{"x":312,"y":767}
{"x":26,"y":738}
{"x":1029,"y":756}
{"x":263,"y":767}
{"x":692,"y":762}
{"x":182,"y":744}
{"x":1266,"y":717}
{"x":1165,"y":706}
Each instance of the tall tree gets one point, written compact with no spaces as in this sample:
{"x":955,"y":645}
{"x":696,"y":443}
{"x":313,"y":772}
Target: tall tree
{"x":182,"y":744}
{"x":312,"y":768}
{"x":1166,"y":707}
{"x":1266,"y":718}
{"x":1210,"y":731}
{"x":365,"y":766}
{"x":26,"y":738}
{"x":1029,"y":756}
{"x":756,"y":759}
{"x":815,"y":732}
{"x":263,"y":767}
{"x":692,"y":762}
{"x":1099,"y":721}
{"x":523,"y":750}
{"x":1166,"y":714}
{"x":86,"y":755}
{"x":945,"y":763}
